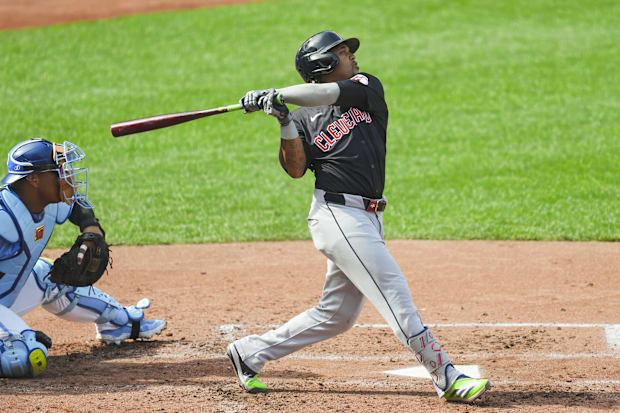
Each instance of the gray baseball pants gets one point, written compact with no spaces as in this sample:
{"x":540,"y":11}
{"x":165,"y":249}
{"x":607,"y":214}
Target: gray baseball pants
{"x":359,"y":267}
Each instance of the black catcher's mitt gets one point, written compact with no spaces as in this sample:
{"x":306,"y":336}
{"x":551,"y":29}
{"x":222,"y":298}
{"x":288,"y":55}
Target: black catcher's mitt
{"x":94,"y":262}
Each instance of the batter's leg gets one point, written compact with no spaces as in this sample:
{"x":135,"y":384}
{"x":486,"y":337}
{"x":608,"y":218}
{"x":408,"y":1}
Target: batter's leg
{"x":353,"y":239}
{"x":335,"y":313}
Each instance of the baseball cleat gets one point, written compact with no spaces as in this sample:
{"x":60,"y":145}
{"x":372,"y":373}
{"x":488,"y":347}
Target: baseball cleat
{"x":466,"y":389}
{"x":248,"y":379}
{"x":148,"y":328}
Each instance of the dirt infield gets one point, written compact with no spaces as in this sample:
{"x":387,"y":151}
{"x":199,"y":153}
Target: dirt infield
{"x":28,"y":13}
{"x":541,"y":320}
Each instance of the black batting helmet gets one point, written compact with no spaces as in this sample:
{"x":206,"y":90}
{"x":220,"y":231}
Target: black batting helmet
{"x":314,"y":58}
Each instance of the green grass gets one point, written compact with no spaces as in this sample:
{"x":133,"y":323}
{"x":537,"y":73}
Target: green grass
{"x":504,"y":116}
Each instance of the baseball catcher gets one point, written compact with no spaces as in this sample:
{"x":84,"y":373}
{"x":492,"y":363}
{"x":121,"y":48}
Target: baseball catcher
{"x":339,"y":132}
{"x":45,"y":187}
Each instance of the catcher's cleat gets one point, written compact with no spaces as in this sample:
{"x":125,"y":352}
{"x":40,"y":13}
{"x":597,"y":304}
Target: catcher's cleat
{"x":248,"y":379}
{"x":133,"y":330}
{"x":466,"y":389}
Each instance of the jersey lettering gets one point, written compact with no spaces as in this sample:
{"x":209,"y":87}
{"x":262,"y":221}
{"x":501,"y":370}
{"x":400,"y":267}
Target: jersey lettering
{"x":324,"y":136}
{"x":318,"y":141}
{"x":331,"y":128}
{"x":340,"y":128}
{"x":348,"y":121}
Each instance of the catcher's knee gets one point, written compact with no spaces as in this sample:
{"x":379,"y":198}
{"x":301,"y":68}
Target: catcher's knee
{"x":21,"y":355}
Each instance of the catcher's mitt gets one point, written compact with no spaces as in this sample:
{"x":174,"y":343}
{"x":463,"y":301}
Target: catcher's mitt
{"x":94,"y":261}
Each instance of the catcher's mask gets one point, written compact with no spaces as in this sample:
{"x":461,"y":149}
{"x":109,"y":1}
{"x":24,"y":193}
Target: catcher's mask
{"x":39,"y":155}
{"x":314,"y":59}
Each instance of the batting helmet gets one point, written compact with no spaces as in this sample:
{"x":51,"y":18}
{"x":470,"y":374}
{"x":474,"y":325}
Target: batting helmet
{"x":314,"y":58}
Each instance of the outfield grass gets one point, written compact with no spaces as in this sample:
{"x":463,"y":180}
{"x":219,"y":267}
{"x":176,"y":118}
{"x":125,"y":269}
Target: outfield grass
{"x":504,"y":116}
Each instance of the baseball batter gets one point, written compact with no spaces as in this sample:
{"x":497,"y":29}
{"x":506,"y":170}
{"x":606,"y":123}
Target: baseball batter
{"x":45,"y":187}
{"x":339,"y":133}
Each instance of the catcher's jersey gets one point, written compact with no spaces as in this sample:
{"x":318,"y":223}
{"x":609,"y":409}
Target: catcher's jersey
{"x":22,"y":240}
{"x":345,"y":142}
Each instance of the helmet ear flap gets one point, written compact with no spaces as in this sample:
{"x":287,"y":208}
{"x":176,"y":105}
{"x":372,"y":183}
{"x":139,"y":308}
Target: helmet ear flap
{"x":323,"y":64}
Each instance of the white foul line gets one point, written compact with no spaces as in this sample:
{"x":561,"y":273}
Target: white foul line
{"x":502,"y":325}
{"x":612,"y":331}
{"x":422,"y":373}
{"x":499,"y":325}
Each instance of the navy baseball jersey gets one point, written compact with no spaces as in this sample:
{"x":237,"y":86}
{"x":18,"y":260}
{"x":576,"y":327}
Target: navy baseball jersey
{"x":345,"y":142}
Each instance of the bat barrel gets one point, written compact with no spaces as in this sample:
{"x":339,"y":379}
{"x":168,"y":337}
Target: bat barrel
{"x":154,"y":122}
{"x":162,"y":121}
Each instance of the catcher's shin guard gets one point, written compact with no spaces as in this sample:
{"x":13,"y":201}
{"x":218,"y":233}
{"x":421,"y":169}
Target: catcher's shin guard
{"x":21,"y":355}
{"x":115,"y":323}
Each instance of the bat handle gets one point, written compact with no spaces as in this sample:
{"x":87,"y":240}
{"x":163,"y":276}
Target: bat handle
{"x":230,"y":108}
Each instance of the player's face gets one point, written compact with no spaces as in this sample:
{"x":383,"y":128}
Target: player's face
{"x":43,"y":187}
{"x":49,"y":186}
{"x":347,"y":66}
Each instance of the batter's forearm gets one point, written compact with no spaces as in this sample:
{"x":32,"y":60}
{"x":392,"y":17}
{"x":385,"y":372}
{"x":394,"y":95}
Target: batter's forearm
{"x":311,"y":94}
{"x":292,"y":157}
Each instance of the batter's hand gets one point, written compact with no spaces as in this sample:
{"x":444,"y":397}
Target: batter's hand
{"x":250,"y":101}
{"x":272,"y":105}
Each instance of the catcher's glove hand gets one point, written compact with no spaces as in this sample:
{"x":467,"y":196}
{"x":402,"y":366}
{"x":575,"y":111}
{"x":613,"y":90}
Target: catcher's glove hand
{"x":84,"y":263}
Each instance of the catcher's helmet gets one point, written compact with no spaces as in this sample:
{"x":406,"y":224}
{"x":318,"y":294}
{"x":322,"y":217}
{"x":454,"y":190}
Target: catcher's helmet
{"x":39,"y":155}
{"x":31,"y":156}
{"x":314,"y":58}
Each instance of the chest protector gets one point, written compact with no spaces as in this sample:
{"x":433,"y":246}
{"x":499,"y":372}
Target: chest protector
{"x":18,"y":227}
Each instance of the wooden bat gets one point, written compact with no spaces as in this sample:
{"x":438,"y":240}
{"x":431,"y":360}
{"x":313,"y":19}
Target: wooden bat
{"x":163,"y":121}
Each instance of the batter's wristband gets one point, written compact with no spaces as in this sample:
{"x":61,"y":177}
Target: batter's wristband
{"x":289,"y":131}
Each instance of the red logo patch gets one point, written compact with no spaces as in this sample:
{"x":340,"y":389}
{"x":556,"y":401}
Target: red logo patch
{"x":39,"y":232}
{"x":360,"y":79}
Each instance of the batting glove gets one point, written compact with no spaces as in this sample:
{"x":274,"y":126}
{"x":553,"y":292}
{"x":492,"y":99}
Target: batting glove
{"x":272,"y":105}
{"x":250,"y":102}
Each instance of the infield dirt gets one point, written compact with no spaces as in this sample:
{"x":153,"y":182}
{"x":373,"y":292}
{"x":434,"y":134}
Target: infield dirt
{"x":212,"y":294}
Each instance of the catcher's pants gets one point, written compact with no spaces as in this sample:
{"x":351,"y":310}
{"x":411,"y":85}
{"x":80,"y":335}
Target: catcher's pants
{"x":359,"y":266}
{"x":87,"y":308}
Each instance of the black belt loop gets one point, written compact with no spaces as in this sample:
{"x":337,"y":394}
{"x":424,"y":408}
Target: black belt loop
{"x":369,"y":204}
{"x":335,"y":198}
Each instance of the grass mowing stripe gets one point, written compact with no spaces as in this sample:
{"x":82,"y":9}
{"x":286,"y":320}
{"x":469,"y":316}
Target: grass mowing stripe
{"x":504,"y":118}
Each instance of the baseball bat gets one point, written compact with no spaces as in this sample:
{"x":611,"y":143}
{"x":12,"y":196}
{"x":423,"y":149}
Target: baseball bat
{"x":163,"y":121}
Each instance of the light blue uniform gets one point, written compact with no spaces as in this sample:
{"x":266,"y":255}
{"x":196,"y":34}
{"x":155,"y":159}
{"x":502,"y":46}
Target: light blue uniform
{"x":25,"y":285}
